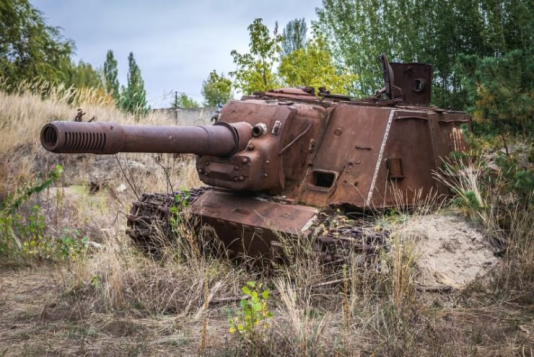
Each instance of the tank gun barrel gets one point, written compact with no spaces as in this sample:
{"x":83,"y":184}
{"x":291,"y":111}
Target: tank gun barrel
{"x":220,"y":139}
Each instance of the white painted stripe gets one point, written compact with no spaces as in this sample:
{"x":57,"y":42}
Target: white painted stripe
{"x":380,"y":156}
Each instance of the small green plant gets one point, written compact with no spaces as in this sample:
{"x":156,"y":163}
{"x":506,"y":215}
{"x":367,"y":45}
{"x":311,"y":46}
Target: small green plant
{"x":13,"y":202}
{"x":252,"y":313}
{"x":180,"y":234}
{"x":177,"y":216}
{"x":67,"y":247}
{"x":70,"y":246}
{"x":96,"y":281}
{"x":23,"y":233}
{"x":517,"y":179}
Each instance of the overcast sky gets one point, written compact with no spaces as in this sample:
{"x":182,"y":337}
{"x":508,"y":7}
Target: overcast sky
{"x":175,"y":43}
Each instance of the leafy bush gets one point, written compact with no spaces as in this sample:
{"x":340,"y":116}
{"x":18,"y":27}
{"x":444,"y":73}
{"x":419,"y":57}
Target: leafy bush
{"x":517,"y":180}
{"x":23,"y":234}
{"x":486,"y":179}
{"x":177,"y":218}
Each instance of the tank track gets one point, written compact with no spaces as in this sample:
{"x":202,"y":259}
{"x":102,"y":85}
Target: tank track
{"x":337,"y":239}
{"x":149,"y":225}
{"x":342,"y":240}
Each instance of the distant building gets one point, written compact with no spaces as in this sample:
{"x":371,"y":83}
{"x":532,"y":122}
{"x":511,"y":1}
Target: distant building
{"x":182,"y":116}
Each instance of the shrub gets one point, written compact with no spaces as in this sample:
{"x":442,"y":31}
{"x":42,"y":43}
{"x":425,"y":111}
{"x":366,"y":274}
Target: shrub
{"x":23,"y":233}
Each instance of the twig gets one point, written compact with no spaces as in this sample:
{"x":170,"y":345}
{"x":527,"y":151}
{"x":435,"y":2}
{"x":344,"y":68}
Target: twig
{"x":505,"y":145}
{"x":332,"y":282}
{"x":228,"y":299}
{"x":132,"y":186}
{"x":435,"y":288}
{"x":166,"y":175}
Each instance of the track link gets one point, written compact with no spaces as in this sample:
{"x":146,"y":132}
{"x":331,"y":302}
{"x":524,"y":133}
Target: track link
{"x":342,"y":240}
{"x":149,"y":219}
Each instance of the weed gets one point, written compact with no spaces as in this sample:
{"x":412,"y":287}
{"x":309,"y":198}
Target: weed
{"x":177,"y":218}
{"x":252,"y":314}
{"x":23,"y":233}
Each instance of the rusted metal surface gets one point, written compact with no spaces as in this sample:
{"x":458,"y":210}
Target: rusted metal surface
{"x":392,"y":91}
{"x":250,"y":225}
{"x":278,"y":158}
{"x":255,"y":228}
{"x":79,"y":115}
{"x":103,"y":138}
{"x":415,"y":82}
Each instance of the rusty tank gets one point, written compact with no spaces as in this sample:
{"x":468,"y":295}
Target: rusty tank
{"x":274,"y":161}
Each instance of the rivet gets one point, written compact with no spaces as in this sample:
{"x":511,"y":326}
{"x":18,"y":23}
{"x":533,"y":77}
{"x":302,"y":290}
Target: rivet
{"x":200,"y":171}
{"x":241,"y":178}
{"x":236,"y":178}
{"x":264,"y":175}
{"x":236,"y":168}
{"x":207,"y":163}
{"x":267,"y":162}
{"x":338,"y":132}
{"x":245,"y":160}
{"x":250,"y":147}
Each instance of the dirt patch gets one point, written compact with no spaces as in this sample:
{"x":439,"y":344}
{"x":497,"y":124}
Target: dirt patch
{"x":450,"y":251}
{"x":37,"y":318}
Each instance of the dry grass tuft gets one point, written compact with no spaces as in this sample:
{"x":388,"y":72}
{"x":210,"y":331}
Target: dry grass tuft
{"x":495,"y":199}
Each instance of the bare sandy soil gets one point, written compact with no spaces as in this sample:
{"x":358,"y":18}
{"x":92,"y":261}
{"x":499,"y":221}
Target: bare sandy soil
{"x":449,"y":251}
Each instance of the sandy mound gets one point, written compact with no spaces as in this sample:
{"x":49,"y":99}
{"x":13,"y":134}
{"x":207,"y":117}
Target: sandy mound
{"x":450,"y":252}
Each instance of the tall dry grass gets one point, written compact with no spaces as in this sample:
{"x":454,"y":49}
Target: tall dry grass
{"x":23,"y":114}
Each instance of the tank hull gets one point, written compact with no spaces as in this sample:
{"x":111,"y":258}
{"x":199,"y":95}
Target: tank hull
{"x":276,"y":161}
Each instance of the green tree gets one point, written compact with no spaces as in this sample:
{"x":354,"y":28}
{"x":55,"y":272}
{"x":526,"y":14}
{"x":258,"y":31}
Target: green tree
{"x":133,"y":97}
{"x":111,"y":74}
{"x":216,"y":89}
{"x":294,"y":36}
{"x":255,"y":70}
{"x":82,"y":75}
{"x":312,"y":66}
{"x":501,"y":89}
{"x":29,"y":48}
{"x":430,"y":31}
{"x":182,"y":101}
